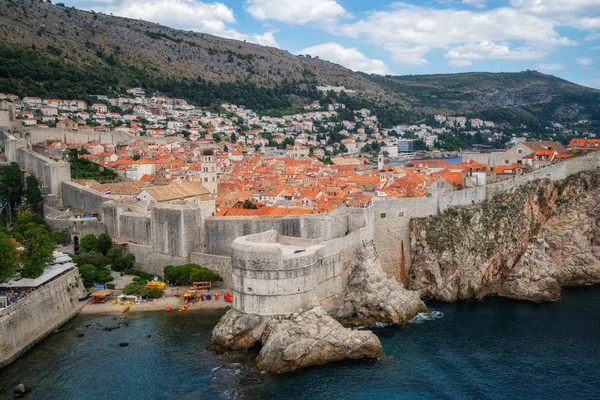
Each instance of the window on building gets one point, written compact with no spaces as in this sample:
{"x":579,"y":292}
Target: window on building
{"x":519,"y":151}
{"x":506,"y":162}
{"x":401,"y":214}
{"x":382,"y":215}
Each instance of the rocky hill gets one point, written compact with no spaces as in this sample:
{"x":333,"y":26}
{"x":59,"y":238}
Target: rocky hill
{"x":522,"y":244}
{"x":43,"y":47}
{"x":523,"y":96}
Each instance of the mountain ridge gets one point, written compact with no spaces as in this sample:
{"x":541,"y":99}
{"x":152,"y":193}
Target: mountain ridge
{"x":128,"y":49}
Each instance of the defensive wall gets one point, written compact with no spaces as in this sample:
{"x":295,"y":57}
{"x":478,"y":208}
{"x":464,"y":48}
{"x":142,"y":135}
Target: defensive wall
{"x":30,"y":320}
{"x":80,"y":136}
{"x":392,"y":215}
{"x":176,"y":234}
{"x":51,"y":173}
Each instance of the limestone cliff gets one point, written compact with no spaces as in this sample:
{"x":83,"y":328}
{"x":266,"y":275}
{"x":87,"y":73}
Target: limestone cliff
{"x":523,"y":244}
{"x":289,"y":342}
{"x":372,"y":296}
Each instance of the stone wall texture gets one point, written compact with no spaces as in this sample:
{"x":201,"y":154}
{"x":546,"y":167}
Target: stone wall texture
{"x":38,"y":315}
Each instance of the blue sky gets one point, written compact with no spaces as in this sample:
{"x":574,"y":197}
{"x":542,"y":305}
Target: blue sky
{"x":560,"y":37}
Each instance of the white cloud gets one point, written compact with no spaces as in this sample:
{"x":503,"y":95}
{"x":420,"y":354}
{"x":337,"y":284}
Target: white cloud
{"x":584,"y":61}
{"x":298,"y":12}
{"x":410,"y":32}
{"x":348,"y":57}
{"x":551,"y":67}
{"x":573,"y":13}
{"x":191,"y":15}
{"x":490,"y":50}
{"x":266,"y":39}
{"x":593,"y":36}
{"x":460,"y":63}
{"x":475,"y":3}
{"x":183,"y":14}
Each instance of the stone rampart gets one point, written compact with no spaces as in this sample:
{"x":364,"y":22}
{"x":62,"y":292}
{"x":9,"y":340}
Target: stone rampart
{"x":49,"y":172}
{"x":273,"y":279}
{"x":222,"y":231}
{"x":39,"y":314}
{"x":392,"y":215}
{"x":35,"y":136}
{"x":82,"y":198}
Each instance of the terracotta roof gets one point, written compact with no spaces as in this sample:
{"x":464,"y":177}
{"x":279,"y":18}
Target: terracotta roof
{"x":176,"y":190}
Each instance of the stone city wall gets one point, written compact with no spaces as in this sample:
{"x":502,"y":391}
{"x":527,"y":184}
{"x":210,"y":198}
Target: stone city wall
{"x":392,"y":216}
{"x":222,"y":231}
{"x":49,"y":172}
{"x":34,"y":136}
{"x":32,"y":319}
{"x":82,"y":198}
{"x":273,"y":279}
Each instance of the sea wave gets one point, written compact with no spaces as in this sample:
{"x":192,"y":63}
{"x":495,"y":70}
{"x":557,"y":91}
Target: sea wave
{"x":375,"y":325}
{"x":430,"y":316}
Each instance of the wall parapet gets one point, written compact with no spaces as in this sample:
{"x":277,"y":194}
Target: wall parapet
{"x":39,"y":314}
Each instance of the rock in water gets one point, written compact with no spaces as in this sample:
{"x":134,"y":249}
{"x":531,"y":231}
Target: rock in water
{"x":313,"y":338}
{"x":21,"y":390}
{"x":237,"y":331}
{"x":294,"y":341}
{"x":372,"y":296}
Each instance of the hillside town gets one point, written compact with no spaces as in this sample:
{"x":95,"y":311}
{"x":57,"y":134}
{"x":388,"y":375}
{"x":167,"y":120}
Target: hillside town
{"x":306,"y":163}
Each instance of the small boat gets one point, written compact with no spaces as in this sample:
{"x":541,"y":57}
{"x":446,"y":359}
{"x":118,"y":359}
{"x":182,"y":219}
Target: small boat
{"x":184,"y":308}
{"x":125,"y":309}
{"x":115,"y":301}
{"x":168,"y":308}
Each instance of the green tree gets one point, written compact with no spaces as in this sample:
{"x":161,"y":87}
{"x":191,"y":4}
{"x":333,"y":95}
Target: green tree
{"x":11,"y":186}
{"x":201,"y":274}
{"x":103,"y":243}
{"x":113,"y":253}
{"x":8,"y":256}
{"x":248,"y":204}
{"x":190,"y":272}
{"x":61,"y":237}
{"x":37,"y":253}
{"x":135,"y":289}
{"x":33,"y":194}
{"x":87,"y":244}
{"x":122,"y":264}
{"x":88,"y":273}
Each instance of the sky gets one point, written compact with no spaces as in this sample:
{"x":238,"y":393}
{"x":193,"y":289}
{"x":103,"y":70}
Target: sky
{"x":559,"y":37}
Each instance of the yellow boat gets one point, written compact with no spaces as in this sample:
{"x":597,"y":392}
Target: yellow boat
{"x":156,"y":285}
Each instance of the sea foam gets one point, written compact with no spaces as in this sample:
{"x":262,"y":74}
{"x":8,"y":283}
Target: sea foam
{"x":430,"y":316}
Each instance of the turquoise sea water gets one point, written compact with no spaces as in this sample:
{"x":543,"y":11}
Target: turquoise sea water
{"x":491,"y":349}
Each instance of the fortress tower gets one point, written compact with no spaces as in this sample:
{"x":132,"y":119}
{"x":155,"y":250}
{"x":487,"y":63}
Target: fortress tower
{"x":7,"y":113}
{"x":209,"y":171}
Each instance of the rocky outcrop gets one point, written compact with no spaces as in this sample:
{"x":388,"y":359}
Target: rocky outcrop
{"x":523,"y":244}
{"x":372,"y":296}
{"x":294,"y":341}
{"x":238,"y":331}
{"x":313,"y":338}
